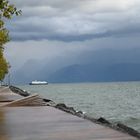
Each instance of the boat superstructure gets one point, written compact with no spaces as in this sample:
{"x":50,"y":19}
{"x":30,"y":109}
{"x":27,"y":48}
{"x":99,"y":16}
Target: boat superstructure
{"x":38,"y":83}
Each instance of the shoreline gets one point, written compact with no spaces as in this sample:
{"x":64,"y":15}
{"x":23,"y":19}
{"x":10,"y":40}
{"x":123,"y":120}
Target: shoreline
{"x":101,"y":121}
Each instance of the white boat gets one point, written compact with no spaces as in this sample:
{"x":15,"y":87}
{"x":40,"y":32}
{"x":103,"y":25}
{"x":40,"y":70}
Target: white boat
{"x":38,"y":83}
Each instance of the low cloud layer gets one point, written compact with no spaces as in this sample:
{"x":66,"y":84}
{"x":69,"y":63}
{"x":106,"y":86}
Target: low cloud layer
{"x":75,"y":20}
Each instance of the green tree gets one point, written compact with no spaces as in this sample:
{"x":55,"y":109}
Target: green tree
{"x":7,"y":11}
{"x":3,"y":66}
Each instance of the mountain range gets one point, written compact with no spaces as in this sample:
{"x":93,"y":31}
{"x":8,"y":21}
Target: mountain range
{"x":97,"y":73}
{"x":90,"y":66}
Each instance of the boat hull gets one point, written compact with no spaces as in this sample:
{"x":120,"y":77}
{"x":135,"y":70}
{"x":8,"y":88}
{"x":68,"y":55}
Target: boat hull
{"x":38,"y":83}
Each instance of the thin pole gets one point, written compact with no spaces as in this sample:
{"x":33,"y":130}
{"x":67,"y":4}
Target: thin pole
{"x":9,"y":80}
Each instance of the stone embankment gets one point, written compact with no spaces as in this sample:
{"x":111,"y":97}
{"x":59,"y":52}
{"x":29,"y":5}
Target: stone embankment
{"x":102,"y":121}
{"x":34,"y":100}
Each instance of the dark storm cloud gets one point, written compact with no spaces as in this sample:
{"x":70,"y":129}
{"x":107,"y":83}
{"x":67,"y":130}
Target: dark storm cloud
{"x":75,"y":20}
{"x":58,"y":33}
{"x":38,"y":35}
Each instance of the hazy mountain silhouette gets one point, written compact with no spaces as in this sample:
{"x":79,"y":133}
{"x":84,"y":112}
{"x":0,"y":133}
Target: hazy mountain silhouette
{"x":89,"y":66}
{"x":97,"y":73}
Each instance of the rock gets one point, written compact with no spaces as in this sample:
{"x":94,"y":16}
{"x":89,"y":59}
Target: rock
{"x":90,"y":118}
{"x":47,"y":100}
{"x":19,"y":91}
{"x":79,"y":114}
{"x":65,"y":108}
{"x":103,"y":121}
{"x":129,"y":130}
{"x":61,"y":105}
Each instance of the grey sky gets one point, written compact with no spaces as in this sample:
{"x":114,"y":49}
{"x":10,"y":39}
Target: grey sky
{"x":53,"y":29}
{"x":75,"y":20}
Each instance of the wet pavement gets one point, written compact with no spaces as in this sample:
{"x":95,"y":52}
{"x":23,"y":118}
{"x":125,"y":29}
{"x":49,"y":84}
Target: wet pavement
{"x":48,"y":123}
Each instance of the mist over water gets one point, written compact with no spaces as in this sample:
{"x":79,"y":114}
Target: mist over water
{"x":116,"y":101}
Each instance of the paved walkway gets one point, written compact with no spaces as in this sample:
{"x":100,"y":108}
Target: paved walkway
{"x":6,"y":90}
{"x":47,"y":123}
{"x":6,"y":95}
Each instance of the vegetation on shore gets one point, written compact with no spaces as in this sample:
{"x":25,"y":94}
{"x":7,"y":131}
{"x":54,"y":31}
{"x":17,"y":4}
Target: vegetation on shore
{"x":7,"y":11}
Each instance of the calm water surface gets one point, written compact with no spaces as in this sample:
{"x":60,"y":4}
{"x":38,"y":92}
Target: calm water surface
{"x":117,"y":102}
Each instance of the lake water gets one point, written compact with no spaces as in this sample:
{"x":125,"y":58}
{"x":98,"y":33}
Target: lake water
{"x":117,"y":101}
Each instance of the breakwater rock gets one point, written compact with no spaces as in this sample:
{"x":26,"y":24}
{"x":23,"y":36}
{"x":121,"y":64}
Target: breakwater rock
{"x":19,"y":91}
{"x":70,"y":110}
{"x":101,"y":120}
{"x":38,"y":101}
